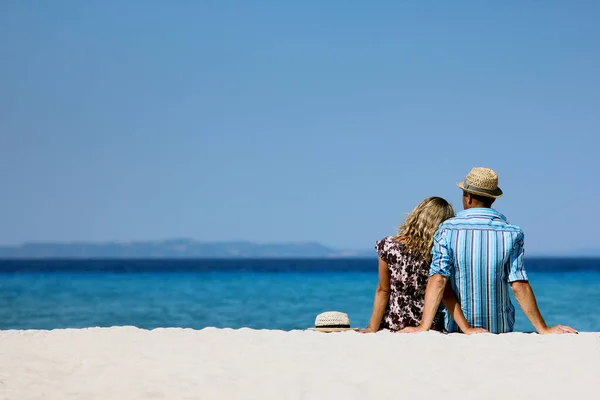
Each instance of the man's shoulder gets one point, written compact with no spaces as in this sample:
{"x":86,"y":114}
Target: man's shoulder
{"x":482,"y":219}
{"x":513,"y":228}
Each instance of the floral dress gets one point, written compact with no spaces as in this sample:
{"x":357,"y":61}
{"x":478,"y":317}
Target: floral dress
{"x":408,"y":280}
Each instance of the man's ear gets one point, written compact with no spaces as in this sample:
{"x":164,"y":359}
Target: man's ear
{"x":469,"y":199}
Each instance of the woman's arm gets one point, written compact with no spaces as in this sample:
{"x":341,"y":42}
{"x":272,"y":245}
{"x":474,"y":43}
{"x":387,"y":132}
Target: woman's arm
{"x":382,"y":296}
{"x":451,"y":303}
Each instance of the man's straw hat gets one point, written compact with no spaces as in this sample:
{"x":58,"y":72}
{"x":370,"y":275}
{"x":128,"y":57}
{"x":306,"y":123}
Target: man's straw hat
{"x":332,"y":321}
{"x":481,"y":181}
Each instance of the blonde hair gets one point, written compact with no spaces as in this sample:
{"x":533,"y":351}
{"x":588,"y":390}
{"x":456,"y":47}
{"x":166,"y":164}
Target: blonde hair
{"x":417,"y":230}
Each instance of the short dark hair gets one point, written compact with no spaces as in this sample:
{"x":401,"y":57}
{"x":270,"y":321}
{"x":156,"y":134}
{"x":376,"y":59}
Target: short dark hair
{"x":484,"y":200}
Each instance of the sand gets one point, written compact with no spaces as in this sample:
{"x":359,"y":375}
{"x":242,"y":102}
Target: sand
{"x":130,"y":363}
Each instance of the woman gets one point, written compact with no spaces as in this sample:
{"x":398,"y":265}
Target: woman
{"x":404,"y":262}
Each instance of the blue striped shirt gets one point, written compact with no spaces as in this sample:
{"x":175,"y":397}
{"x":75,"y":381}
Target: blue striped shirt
{"x":480,"y":253}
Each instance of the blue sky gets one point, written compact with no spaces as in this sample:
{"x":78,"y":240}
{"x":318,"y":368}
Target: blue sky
{"x":294,"y":121}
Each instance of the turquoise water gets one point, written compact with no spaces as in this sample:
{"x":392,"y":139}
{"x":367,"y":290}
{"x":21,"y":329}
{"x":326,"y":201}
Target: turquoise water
{"x":269,"y":300}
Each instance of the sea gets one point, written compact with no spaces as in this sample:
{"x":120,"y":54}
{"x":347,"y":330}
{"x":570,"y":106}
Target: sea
{"x":282,"y":294}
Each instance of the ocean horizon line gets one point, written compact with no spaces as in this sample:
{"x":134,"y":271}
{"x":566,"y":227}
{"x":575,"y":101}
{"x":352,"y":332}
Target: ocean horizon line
{"x":249,"y":265}
{"x":537,"y":257}
{"x":183,"y":248}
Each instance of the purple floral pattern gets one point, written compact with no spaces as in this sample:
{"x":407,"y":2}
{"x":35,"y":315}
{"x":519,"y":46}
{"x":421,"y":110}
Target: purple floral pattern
{"x":408,"y":279}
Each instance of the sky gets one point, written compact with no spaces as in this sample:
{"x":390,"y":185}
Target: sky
{"x":276,"y":121}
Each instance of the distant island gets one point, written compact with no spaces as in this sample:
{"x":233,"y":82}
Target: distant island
{"x":176,"y":248}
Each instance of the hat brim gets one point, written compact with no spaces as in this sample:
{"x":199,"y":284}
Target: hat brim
{"x":331,"y":330}
{"x":495,"y":195}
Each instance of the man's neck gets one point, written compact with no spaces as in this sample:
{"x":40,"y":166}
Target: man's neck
{"x":477,"y":206}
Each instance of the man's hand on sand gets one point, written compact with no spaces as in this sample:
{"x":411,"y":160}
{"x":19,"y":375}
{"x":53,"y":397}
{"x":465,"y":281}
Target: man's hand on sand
{"x":475,"y":331}
{"x":417,"y":329}
{"x":558,"y":329}
{"x":413,"y":329}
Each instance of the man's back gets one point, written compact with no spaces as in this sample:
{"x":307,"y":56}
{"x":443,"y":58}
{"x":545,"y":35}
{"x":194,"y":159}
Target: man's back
{"x":481,"y":253}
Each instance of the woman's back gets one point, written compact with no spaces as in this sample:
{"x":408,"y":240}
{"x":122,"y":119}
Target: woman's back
{"x":408,"y":274}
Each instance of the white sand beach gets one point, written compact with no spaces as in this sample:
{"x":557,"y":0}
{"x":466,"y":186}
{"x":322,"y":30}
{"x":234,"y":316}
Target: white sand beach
{"x":130,"y":363}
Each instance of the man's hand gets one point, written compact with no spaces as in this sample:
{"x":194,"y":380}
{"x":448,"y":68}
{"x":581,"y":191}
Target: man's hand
{"x":475,"y":331}
{"x":413,"y":329}
{"x":558,"y":329}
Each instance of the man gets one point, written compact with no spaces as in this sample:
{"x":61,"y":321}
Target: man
{"x":482,"y":255}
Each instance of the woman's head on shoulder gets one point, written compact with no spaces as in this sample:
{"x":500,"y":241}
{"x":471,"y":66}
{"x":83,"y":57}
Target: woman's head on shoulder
{"x":417,"y":231}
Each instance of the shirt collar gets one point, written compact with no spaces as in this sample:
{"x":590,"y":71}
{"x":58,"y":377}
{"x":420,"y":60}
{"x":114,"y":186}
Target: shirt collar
{"x":481,"y":212}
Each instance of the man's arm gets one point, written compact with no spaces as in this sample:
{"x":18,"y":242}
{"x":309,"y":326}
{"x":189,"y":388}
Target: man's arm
{"x":524,"y":293}
{"x":433,"y":297}
{"x":451,"y":303}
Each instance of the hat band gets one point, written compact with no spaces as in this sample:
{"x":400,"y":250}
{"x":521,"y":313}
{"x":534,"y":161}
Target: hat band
{"x":478,"y":189}
{"x":332,"y":326}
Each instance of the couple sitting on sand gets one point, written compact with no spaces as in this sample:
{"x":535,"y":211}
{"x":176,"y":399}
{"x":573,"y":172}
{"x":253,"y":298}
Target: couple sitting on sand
{"x":477,"y":252}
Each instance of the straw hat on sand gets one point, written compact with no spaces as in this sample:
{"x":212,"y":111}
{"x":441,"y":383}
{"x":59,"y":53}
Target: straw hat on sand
{"x":332,"y":321}
{"x":481,"y":181}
